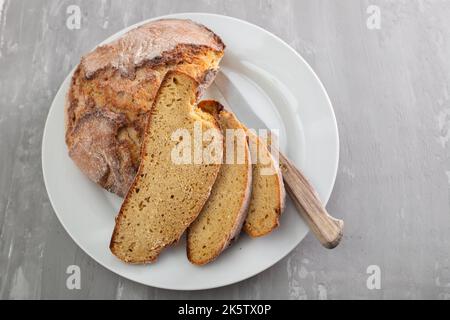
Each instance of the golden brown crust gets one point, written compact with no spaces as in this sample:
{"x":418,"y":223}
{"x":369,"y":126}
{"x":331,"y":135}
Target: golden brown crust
{"x":123,"y":78}
{"x":154,"y":43}
{"x":98,"y":154}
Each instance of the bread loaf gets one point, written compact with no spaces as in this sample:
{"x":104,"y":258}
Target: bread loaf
{"x":113,"y":89}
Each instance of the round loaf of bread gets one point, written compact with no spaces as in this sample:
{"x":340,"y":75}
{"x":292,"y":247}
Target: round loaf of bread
{"x":113,"y":89}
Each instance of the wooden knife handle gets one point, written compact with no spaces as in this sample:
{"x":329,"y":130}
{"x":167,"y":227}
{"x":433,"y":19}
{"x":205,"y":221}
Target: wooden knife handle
{"x":326,"y":228}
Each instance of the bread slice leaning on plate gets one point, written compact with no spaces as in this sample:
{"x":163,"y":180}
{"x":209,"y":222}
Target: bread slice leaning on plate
{"x":268,"y":193}
{"x":221,"y":219}
{"x":166,"y":196}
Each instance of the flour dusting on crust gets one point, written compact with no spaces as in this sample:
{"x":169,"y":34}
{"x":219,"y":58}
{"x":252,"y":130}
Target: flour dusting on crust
{"x":146,"y":43}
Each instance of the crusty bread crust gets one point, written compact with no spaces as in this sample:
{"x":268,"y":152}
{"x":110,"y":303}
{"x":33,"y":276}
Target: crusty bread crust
{"x":198,"y":207}
{"x":217,"y":110}
{"x":123,"y":78}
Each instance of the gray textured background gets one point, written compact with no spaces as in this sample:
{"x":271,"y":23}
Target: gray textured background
{"x":390,"y":91}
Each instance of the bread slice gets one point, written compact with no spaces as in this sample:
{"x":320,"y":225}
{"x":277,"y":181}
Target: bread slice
{"x":224,"y":213}
{"x":165,"y":197}
{"x":268,"y":193}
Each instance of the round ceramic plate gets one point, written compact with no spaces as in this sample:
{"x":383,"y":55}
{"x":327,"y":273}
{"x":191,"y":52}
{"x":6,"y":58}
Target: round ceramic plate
{"x":267,"y":84}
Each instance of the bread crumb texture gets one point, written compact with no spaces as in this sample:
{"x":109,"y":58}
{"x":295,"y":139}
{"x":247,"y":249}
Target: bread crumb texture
{"x":221,"y":219}
{"x":165,"y":198}
{"x":268,"y":194}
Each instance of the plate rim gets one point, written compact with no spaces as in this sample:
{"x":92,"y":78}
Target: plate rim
{"x":220,"y":16}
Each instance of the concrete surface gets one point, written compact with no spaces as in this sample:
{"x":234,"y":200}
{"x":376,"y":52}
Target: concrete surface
{"x":390,"y":90}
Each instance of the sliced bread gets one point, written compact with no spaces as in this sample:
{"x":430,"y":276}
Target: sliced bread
{"x":221,"y":219}
{"x":165,"y":197}
{"x":268,"y":194}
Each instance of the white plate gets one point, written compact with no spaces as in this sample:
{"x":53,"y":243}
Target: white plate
{"x":267,"y":76}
